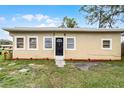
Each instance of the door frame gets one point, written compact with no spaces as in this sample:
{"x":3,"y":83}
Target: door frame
{"x":55,"y":46}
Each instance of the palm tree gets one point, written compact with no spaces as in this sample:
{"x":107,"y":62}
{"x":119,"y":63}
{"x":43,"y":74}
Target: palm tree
{"x":68,"y":23}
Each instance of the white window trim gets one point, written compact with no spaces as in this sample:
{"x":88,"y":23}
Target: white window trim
{"x":28,"y":37}
{"x":110,"y":48}
{"x":74,"y":43}
{"x":15,"y":47}
{"x":44,"y":43}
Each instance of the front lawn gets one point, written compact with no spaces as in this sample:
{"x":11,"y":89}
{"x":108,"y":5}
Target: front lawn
{"x":1,"y":58}
{"x":43,"y":74}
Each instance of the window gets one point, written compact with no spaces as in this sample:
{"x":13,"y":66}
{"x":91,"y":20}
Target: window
{"x":48,"y":42}
{"x":70,"y":43}
{"x":19,"y":42}
{"x":106,"y":43}
{"x":32,"y":42}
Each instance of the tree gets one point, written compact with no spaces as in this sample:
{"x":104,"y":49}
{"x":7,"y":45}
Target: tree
{"x":68,"y":23}
{"x":104,"y":15}
{"x":5,"y":42}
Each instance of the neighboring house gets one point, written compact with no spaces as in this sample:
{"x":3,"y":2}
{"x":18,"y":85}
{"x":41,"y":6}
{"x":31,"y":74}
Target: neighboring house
{"x":67,"y":43}
{"x":6,"y":47}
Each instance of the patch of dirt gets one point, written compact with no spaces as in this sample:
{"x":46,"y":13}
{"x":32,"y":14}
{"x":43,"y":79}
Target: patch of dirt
{"x":23,"y":70}
{"x":34,"y":66}
{"x":11,"y":64}
{"x":1,"y":69}
{"x":4,"y":63}
{"x":86,"y":65}
{"x":13,"y":73}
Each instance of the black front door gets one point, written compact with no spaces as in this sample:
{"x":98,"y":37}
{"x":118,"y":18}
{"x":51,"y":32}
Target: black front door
{"x":59,"y":46}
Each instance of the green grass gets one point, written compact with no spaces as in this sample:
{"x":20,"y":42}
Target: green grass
{"x":1,"y":58}
{"x":46,"y":74}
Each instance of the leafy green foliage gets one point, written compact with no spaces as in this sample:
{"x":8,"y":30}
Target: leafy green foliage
{"x":104,"y":15}
{"x":5,"y":42}
{"x":69,"y":23}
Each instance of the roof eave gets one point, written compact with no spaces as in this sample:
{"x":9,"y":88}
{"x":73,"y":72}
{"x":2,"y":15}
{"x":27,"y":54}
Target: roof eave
{"x":62,"y":29}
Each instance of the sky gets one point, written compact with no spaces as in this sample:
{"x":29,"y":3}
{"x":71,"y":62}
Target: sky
{"x":38,"y":16}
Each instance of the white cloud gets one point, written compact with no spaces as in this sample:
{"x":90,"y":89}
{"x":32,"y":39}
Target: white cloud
{"x":2,"y":19}
{"x":42,"y":20}
{"x":5,"y":35}
{"x":52,"y":25}
{"x":50,"y":22}
{"x":28,"y":17}
{"x":39,"y":17}
{"x":41,"y":25}
{"x":13,"y":18}
{"x":47,"y":25}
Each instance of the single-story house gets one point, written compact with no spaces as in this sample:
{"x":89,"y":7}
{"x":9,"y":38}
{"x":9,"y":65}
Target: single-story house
{"x":67,"y":43}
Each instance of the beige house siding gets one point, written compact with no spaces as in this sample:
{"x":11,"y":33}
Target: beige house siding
{"x":40,"y":53}
{"x":88,"y":45}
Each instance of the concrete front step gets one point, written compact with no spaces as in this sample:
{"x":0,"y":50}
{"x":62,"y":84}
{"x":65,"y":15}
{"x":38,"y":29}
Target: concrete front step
{"x":60,"y":63}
